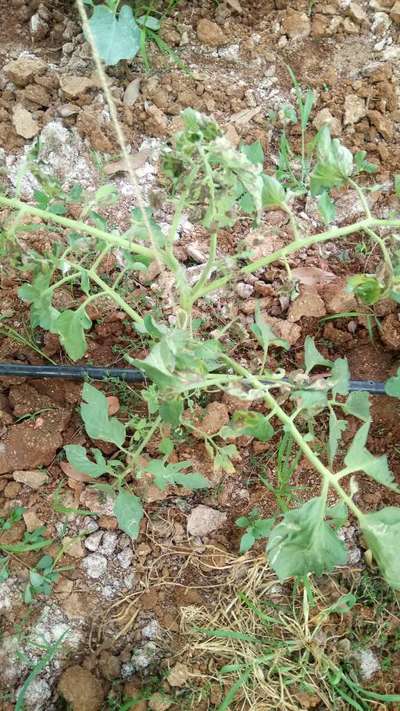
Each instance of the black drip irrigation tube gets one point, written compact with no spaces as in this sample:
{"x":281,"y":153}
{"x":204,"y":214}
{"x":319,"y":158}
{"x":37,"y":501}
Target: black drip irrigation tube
{"x":130,"y":375}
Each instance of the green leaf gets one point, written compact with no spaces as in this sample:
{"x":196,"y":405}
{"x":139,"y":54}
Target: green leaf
{"x":312,"y":356}
{"x":340,"y":376}
{"x":98,"y":424}
{"x":306,"y":108}
{"x":381,"y":530}
{"x":305,"y":543}
{"x":171,"y":411}
{"x":358,"y":404}
{"x":253,"y":152}
{"x":166,"y":474}
{"x":326,"y":207}
{"x":106,"y":193}
{"x":166,"y":446}
{"x":246,"y":542}
{"x":336,"y":428}
{"x":337,"y":514}
{"x":273,"y":194}
{"x":39,"y":294}
{"x":129,"y":512}
{"x":152,"y":23}
{"x":77,"y":457}
{"x":362,"y":165}
{"x":35,"y":579}
{"x":71,"y":326}
{"x":264,"y":333}
{"x":396,"y":182}
{"x":392,"y":385}
{"x":367,"y":288}
{"x":358,"y":458}
{"x":115,"y":37}
{"x":192,"y":481}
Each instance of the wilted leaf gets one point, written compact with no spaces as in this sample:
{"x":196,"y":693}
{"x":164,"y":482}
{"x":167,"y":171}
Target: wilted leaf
{"x":312,"y":356}
{"x":235,"y":4}
{"x":392,"y":385}
{"x":358,"y":458}
{"x":70,"y":326}
{"x":252,"y":424}
{"x":335,"y":163}
{"x":358,"y":404}
{"x":129,"y":512}
{"x":264,"y":333}
{"x":327,"y":207}
{"x":305,"y":543}
{"x":115,"y":37}
{"x":77,"y":457}
{"x":381,"y":530}
{"x":98,"y":424}
{"x":273,"y":194}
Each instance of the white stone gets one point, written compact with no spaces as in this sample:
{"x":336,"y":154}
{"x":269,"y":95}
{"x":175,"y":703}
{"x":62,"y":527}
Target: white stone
{"x":95,"y":566}
{"x":204,"y":520}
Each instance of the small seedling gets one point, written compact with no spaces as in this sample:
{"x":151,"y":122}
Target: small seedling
{"x":256,"y":528}
{"x":41,"y":579}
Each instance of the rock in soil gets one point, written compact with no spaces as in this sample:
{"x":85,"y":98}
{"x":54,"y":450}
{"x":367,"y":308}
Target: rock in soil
{"x":337,"y":297}
{"x":210,"y":33}
{"x":33,"y":444}
{"x":32,"y":478}
{"x":210,"y":420}
{"x":95,"y":565}
{"x":308,"y":303}
{"x":21,"y":71}
{"x":390,"y":332}
{"x":178,"y":675}
{"x":204,"y":520}
{"x":81,"y":689}
{"x":24,"y":123}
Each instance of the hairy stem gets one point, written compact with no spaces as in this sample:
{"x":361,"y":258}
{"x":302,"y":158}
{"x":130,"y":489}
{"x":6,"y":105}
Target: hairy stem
{"x":296,"y":245}
{"x":207,"y":269}
{"x":115,"y":296}
{"x":327,"y":475}
{"x":78,"y":226}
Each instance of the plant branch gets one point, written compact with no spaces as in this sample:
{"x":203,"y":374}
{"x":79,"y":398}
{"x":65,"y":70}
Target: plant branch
{"x":115,"y":296}
{"x":78,"y":226}
{"x":334,"y":233}
{"x":297,"y":436}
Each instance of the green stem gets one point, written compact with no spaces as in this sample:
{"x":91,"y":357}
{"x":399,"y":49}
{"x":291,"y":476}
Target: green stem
{"x":334,"y":233}
{"x":383,"y":248}
{"x":77,"y":226}
{"x":207,"y":269}
{"x":362,"y":198}
{"x":133,"y":457}
{"x":115,"y":296}
{"x":327,"y":475}
{"x":64,"y":280}
{"x":293,"y":222}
